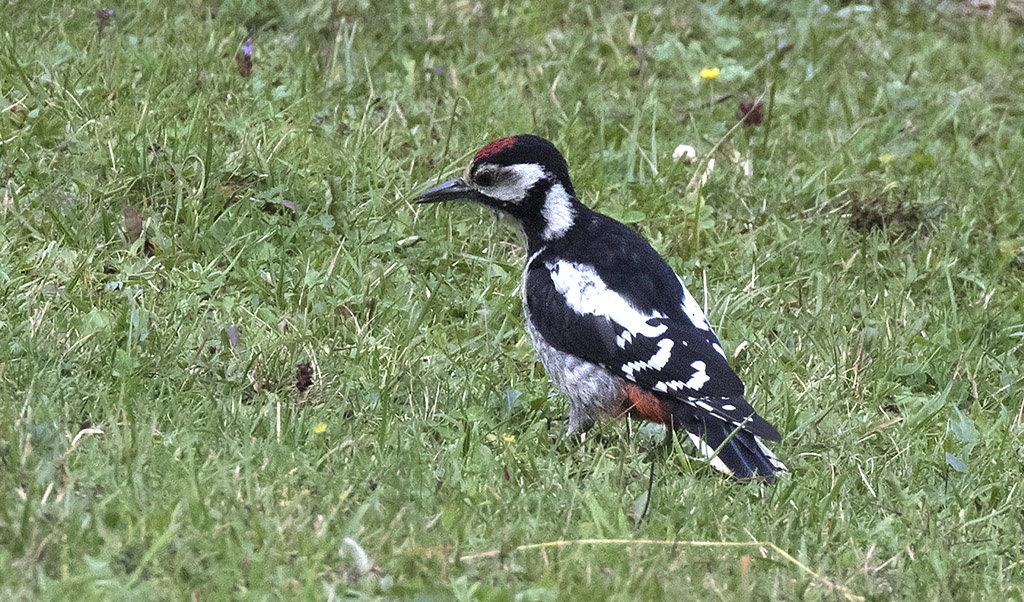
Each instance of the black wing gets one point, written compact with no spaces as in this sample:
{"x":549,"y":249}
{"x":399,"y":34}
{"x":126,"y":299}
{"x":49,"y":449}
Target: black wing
{"x":669,"y":349}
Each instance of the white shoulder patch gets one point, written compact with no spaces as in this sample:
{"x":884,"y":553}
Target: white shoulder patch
{"x":586,"y":293}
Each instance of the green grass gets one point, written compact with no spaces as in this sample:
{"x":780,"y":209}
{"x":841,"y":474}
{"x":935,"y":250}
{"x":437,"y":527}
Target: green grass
{"x":867,"y":278}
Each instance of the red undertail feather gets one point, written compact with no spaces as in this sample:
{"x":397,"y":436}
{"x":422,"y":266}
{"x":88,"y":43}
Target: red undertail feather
{"x":644,"y":404}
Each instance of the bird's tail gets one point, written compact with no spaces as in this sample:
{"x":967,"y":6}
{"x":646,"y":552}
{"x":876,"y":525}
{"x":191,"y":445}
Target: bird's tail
{"x":736,"y":452}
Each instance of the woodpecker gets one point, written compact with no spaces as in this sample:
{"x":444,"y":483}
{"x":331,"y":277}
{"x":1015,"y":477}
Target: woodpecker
{"x":615,"y":328}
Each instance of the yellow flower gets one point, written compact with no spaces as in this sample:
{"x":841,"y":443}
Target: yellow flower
{"x":710,"y":73}
{"x":320,"y":428}
{"x":508,"y":438}
{"x":887,"y":157}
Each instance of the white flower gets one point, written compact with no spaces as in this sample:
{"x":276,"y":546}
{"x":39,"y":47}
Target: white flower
{"x":707,"y":172}
{"x":685,"y":152}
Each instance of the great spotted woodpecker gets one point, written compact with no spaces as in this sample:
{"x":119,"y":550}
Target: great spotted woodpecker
{"x":614,"y":326}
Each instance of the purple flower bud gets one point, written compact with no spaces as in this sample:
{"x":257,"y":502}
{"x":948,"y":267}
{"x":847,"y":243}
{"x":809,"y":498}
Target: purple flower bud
{"x":102,"y":20}
{"x":244,"y":59}
{"x":232,"y":332}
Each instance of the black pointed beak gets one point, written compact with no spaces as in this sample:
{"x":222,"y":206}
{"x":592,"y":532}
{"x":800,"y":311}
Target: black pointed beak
{"x":452,"y":190}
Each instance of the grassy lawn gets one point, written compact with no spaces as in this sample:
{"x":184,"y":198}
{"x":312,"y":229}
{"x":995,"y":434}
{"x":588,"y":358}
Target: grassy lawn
{"x":237,"y":363}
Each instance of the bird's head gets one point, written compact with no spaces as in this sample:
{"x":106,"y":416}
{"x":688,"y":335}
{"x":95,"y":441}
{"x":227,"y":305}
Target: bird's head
{"x":524,"y":177}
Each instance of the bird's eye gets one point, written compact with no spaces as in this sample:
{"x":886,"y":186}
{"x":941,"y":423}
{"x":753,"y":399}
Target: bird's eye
{"x":484,"y":178}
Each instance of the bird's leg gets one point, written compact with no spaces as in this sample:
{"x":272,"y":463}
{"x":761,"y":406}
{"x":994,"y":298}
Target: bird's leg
{"x":650,"y":490}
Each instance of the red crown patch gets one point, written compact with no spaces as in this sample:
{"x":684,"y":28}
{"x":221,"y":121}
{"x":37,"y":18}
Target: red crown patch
{"x":494,"y":147}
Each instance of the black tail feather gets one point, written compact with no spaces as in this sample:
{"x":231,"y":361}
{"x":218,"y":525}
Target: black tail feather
{"x":740,"y":451}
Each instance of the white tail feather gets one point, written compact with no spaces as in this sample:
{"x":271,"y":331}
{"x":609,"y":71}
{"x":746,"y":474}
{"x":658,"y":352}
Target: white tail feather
{"x":709,"y":453}
{"x":771,"y":457}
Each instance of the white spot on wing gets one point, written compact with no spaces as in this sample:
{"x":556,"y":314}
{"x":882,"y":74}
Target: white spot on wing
{"x":728,"y":407}
{"x":718,"y":348}
{"x":697,"y":380}
{"x":657,"y":361}
{"x":558,"y":213}
{"x":586,"y":293}
{"x":664,"y":354}
{"x":692,"y":310}
{"x":699,"y":377}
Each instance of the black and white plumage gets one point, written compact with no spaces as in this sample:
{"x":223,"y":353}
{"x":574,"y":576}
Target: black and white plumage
{"x":615,"y":328}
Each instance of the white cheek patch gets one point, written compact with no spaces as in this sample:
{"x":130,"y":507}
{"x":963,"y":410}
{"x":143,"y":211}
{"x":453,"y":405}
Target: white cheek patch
{"x":692,"y":310}
{"x":658,"y":361}
{"x":585,"y":293}
{"x":558,"y":213}
{"x":514,"y":182}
